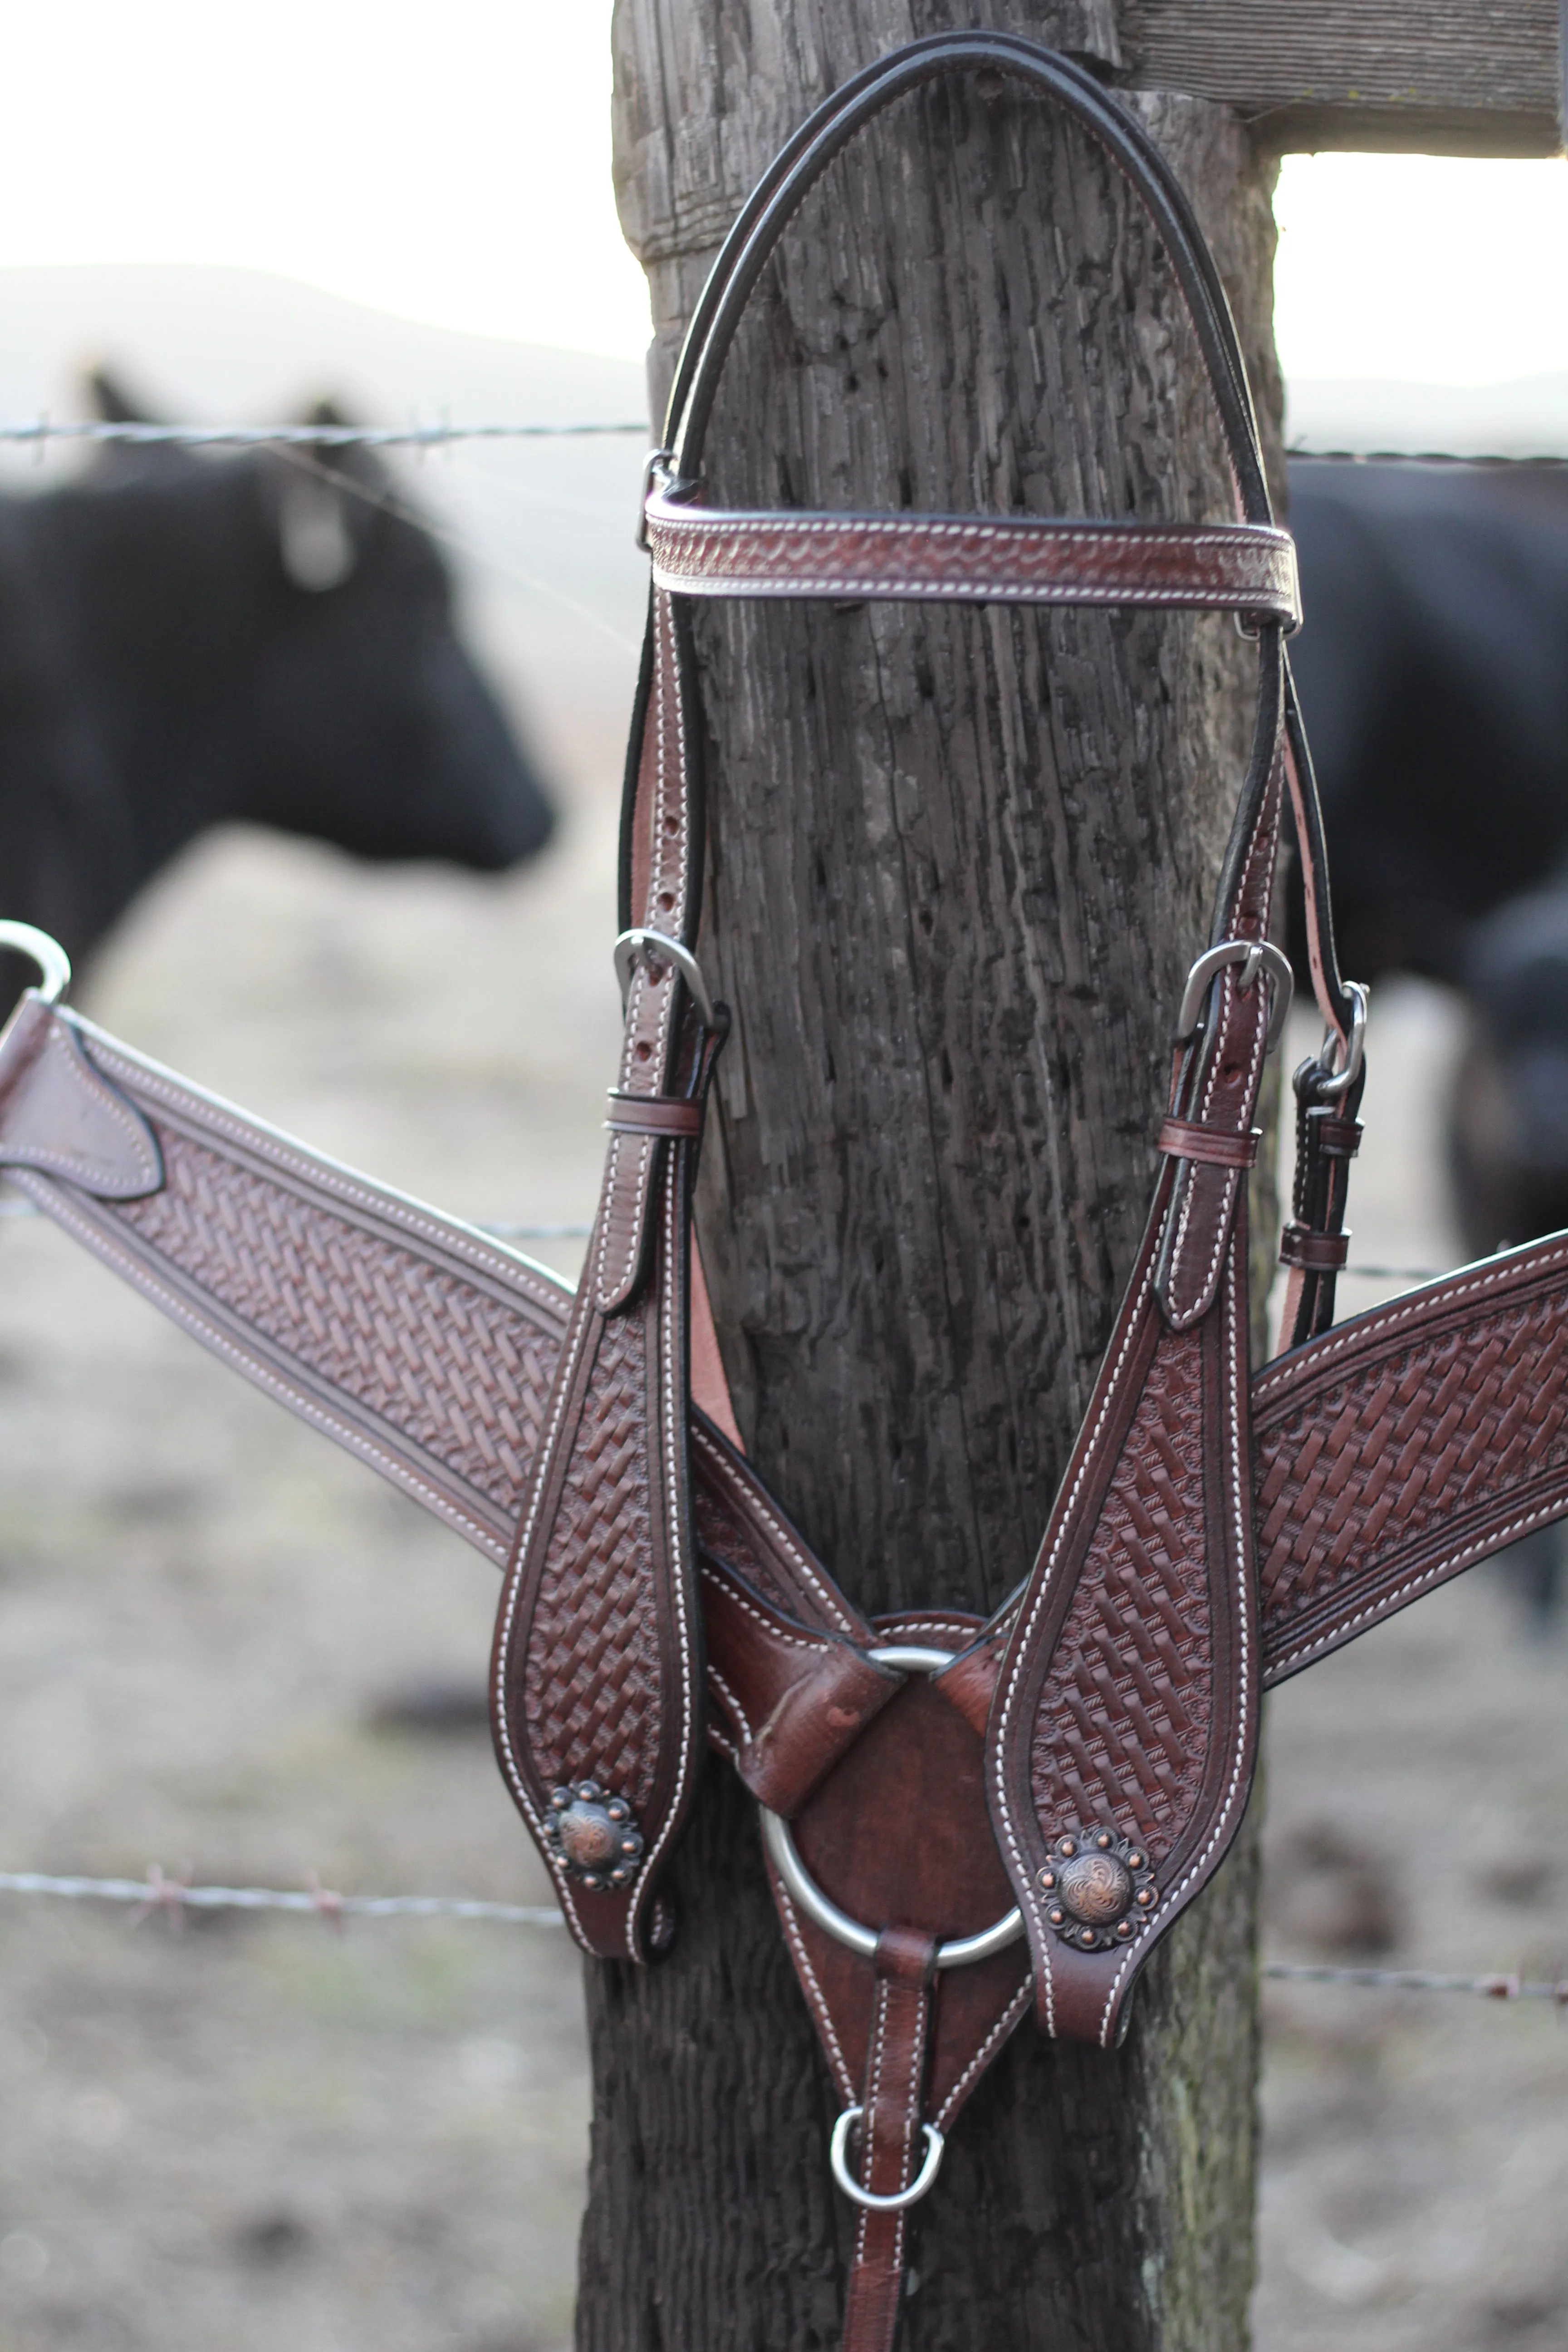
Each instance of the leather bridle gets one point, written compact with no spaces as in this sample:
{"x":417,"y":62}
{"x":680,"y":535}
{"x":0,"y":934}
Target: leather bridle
{"x":1080,"y":1761}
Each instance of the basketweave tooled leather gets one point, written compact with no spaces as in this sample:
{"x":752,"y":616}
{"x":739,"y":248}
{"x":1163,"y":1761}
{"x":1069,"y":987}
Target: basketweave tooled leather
{"x":430,"y":1350}
{"x":1010,"y":560}
{"x":597,"y":1674}
{"x":1343,"y":1541}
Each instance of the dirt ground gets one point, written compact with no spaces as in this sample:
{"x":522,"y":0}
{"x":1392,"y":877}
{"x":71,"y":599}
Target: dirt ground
{"x":261,"y":2132}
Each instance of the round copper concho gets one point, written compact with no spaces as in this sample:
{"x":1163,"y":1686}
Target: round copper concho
{"x":1101,"y":1889}
{"x":594,"y":1836}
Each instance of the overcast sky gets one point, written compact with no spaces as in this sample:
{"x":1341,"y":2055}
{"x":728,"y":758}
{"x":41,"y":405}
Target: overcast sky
{"x":451,"y":162}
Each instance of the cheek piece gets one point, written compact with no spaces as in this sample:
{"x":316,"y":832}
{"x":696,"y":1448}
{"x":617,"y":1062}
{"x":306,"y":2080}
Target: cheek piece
{"x":1080,"y":1762}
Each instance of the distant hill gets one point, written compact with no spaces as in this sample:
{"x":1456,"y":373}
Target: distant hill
{"x":1525,"y":417}
{"x":237,"y":344}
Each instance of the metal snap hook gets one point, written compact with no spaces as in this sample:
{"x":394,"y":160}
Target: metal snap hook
{"x":936,"y":2147}
{"x":54,"y":965}
{"x":1254,"y":956}
{"x":1339,"y":1082}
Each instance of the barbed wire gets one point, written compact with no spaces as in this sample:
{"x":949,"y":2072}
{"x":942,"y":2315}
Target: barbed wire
{"x":1490,"y":459}
{"x":158,"y":1892}
{"x":1488,"y":1987}
{"x":39,"y":431}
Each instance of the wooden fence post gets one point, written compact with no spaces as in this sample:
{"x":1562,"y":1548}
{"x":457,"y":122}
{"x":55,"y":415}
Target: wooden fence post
{"x":959,"y":863}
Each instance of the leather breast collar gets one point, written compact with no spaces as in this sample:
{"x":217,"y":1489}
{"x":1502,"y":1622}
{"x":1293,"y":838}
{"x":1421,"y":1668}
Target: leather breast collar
{"x":1082,"y":1761}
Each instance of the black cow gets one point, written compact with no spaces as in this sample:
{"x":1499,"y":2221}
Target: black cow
{"x":188,"y":639}
{"x":1433,"y":672}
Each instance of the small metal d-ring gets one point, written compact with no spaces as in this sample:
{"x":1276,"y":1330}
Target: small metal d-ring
{"x":1332,"y":1088}
{"x":936,"y":2147}
{"x":54,"y":965}
{"x":1254,"y":956}
{"x":783,"y":1853}
{"x":631,"y":944}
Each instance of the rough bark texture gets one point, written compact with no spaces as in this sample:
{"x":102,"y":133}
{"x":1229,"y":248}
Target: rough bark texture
{"x":959,"y":863}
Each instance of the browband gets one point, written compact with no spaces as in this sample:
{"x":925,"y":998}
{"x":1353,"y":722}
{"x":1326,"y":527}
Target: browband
{"x":1244,"y":567}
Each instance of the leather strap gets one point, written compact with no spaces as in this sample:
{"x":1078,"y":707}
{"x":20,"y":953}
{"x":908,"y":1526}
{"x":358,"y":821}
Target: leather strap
{"x":893,"y":2109}
{"x":653,"y":1115}
{"x":1313,"y":1253}
{"x":428,"y":1350}
{"x":1014,"y":559}
{"x":1175,"y":1387}
{"x":597,"y":1677}
{"x":1186,"y":1138}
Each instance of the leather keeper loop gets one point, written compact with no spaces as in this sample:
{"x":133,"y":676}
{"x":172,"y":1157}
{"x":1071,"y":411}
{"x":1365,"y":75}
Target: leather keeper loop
{"x":653,"y":1115}
{"x":1185,"y":1140}
{"x":1340,"y":1139}
{"x":1313,"y":1253}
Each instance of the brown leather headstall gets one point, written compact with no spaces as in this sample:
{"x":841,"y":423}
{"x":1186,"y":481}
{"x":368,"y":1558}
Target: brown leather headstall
{"x":1081,"y":1763}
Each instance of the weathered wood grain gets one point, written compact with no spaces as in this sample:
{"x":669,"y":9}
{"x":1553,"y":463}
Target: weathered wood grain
{"x":1462,"y":78}
{"x":959,"y":863}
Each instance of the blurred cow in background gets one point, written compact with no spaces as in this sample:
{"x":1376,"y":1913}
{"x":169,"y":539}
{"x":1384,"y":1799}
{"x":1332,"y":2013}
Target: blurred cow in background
{"x":1433,"y":672}
{"x":186,"y":640}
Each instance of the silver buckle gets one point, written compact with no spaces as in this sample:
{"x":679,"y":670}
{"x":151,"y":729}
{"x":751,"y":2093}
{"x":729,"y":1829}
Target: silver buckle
{"x":1254,"y":956}
{"x":663,"y":950}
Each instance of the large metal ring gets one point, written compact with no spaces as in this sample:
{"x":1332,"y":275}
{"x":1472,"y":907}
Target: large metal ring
{"x":783,"y":1853}
{"x":634,"y":943}
{"x":54,"y":965}
{"x":936,"y":2146}
{"x":1332,"y":1089}
{"x":1253,"y":955}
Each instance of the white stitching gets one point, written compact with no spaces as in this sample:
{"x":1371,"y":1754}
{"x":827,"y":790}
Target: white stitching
{"x":753,"y":1505}
{"x":795,"y":1641}
{"x":1237,"y":1469}
{"x":565,"y":1381}
{"x":665,"y":1311}
{"x":718,"y":1683}
{"x":1136,"y":1308}
{"x":984,"y":592}
{"x":999,"y":2033}
{"x":1451,"y":1564}
{"x":269,"y":1144}
{"x":836,"y":2057}
{"x":91,"y":1172}
{"x":1222,"y":1226}
{"x":1416,"y":1305}
{"x":180,"y":1310}
{"x":868,"y":2119}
